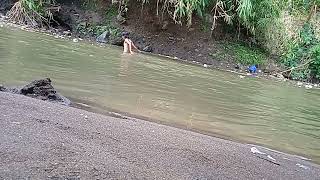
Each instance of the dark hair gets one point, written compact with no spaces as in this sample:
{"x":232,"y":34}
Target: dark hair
{"x":125,"y":34}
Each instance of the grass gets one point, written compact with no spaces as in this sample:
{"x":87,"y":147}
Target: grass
{"x":248,"y":56}
{"x":241,"y":53}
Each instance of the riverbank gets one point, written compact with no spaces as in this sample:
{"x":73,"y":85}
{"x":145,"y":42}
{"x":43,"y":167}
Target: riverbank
{"x":42,"y":140}
{"x":79,"y":20}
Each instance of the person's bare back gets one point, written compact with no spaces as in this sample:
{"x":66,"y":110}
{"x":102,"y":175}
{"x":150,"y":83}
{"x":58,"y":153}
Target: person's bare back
{"x":128,"y":44}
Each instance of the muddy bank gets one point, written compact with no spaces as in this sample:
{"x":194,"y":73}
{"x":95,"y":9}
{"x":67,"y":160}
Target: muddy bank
{"x":42,"y":140}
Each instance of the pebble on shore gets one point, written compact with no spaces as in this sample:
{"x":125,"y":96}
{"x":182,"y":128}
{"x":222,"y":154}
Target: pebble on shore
{"x":75,"y":40}
{"x":308,"y":86}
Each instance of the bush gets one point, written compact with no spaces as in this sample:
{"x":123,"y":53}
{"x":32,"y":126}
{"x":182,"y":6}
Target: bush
{"x":247,"y":55}
{"x":303,"y":55}
{"x":32,"y":12}
{"x":96,"y":30}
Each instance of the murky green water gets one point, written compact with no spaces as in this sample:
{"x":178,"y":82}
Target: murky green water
{"x":273,"y":114}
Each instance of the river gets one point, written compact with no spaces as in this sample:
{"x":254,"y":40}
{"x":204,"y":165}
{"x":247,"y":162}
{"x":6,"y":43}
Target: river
{"x":250,"y":110}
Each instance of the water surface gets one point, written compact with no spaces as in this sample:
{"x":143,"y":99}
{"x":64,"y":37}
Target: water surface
{"x":251,"y":110}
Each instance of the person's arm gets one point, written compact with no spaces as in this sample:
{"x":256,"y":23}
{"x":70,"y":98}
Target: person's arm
{"x":130,"y":48}
{"x":135,"y":46}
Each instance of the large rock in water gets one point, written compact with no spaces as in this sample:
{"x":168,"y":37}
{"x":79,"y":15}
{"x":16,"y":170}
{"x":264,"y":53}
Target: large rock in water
{"x":39,"y":89}
{"x":104,"y":37}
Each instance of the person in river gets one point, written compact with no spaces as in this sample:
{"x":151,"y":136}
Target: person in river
{"x":128,"y":44}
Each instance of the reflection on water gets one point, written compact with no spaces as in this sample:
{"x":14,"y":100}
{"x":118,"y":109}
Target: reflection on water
{"x":250,"y":110}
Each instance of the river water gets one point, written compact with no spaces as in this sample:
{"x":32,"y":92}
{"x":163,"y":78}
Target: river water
{"x":251,"y":110}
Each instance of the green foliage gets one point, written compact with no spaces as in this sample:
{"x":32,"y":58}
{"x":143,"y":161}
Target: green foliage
{"x":303,"y":6}
{"x":96,"y":30}
{"x":303,"y":56}
{"x":247,"y":55}
{"x":37,"y":6}
{"x":241,"y":53}
{"x":110,"y":14}
{"x":180,"y":10}
{"x":32,"y":12}
{"x":186,"y":8}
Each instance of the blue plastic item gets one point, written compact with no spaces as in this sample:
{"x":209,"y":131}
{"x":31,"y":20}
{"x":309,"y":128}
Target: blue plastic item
{"x":253,"y":69}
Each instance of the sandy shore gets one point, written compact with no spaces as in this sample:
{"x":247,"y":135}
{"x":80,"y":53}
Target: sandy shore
{"x":42,"y":140}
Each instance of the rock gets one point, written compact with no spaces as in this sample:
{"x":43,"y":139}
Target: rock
{"x":67,"y":33}
{"x":75,"y":40}
{"x":42,"y":89}
{"x":299,"y":83}
{"x":308,"y":86}
{"x":278,"y":75}
{"x":147,"y":49}
{"x":104,"y":37}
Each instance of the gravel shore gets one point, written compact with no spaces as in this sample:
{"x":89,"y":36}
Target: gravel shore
{"x":43,"y":140}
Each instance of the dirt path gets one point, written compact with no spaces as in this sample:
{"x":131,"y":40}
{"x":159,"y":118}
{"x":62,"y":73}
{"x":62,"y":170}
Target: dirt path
{"x":42,"y":140}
